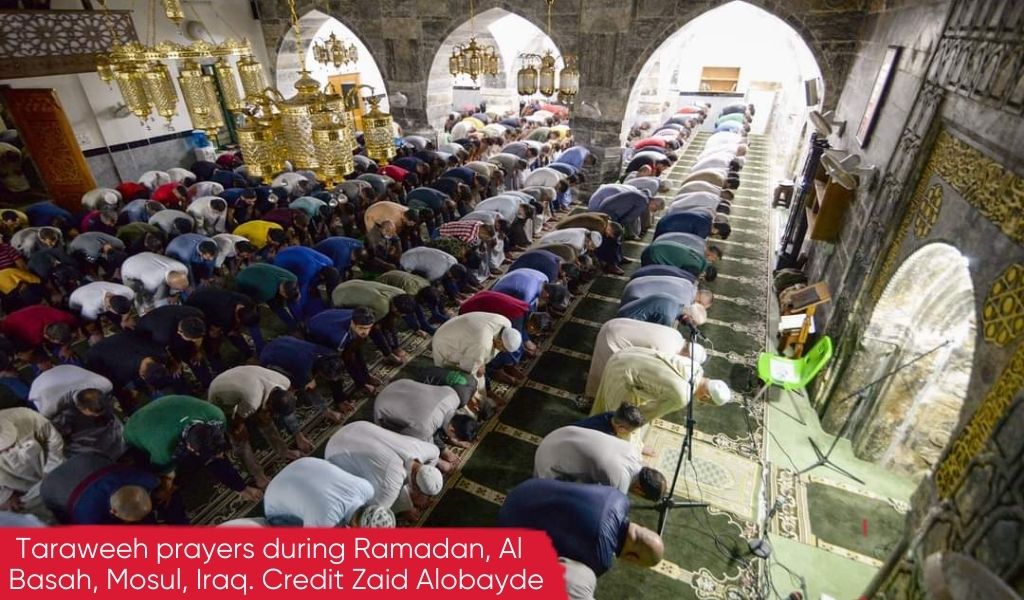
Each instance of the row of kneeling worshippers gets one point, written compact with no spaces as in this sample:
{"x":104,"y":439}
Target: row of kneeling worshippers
{"x":642,"y":366}
{"x":201,"y":318}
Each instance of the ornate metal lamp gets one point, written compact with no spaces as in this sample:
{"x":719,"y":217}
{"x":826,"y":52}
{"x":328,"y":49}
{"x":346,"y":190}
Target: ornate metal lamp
{"x":160,"y":90}
{"x":378,"y":131}
{"x":539,"y":73}
{"x":333,"y":51}
{"x":472,"y":58}
{"x":526,"y":78}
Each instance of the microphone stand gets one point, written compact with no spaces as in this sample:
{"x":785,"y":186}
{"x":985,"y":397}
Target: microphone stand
{"x":664,"y":505}
{"x":823,"y":458}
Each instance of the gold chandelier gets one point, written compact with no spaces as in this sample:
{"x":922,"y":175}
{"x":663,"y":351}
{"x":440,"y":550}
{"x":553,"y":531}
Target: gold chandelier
{"x":146,"y":84}
{"x":471,"y":58}
{"x":313,"y":130}
{"x":538,"y":73}
{"x":333,"y":51}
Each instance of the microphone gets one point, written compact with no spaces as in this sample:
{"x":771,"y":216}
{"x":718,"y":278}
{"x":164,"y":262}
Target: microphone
{"x":697,"y":334}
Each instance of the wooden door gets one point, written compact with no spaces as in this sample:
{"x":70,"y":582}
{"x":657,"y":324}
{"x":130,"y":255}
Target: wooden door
{"x":342,"y":84}
{"x":50,"y":141}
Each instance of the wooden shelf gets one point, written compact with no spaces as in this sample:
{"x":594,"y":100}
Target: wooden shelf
{"x":826,"y":209}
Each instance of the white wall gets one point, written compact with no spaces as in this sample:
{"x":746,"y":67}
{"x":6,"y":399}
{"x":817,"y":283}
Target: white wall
{"x":89,"y":103}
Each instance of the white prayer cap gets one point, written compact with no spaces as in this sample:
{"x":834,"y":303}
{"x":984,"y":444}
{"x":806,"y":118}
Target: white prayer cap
{"x":429,"y":480}
{"x":378,"y":517}
{"x":100,"y":197}
{"x":511,"y":339}
{"x":719,"y":391}
{"x":699,"y":354}
{"x":595,"y":238}
{"x":8,"y":435}
{"x":696,"y":313}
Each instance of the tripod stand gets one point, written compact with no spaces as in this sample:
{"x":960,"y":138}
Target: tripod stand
{"x":667,"y":503}
{"x":823,"y":457}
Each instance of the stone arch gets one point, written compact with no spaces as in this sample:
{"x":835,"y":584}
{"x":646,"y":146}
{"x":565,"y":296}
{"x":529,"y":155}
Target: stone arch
{"x":314,"y":25}
{"x":783,"y":110}
{"x":904,"y":422}
{"x":491,"y":27}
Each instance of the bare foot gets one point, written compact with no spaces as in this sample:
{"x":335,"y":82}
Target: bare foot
{"x":648,"y":451}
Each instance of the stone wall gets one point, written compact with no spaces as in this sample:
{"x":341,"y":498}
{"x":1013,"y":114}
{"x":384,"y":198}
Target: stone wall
{"x":613,"y":39}
{"x":950,"y":150}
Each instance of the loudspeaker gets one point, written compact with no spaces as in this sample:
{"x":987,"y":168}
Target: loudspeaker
{"x":811,"y":92}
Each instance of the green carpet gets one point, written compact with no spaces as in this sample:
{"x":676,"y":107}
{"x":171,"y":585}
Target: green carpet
{"x":500,"y":462}
{"x":576,"y":337}
{"x":462,"y":509}
{"x":596,"y":310}
{"x":839,"y":517}
{"x":561,"y":371}
{"x":538,"y":412}
{"x":608,"y":286}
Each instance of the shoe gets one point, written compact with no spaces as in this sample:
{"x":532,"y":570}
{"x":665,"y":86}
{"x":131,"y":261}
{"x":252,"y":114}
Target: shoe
{"x":614,"y":270}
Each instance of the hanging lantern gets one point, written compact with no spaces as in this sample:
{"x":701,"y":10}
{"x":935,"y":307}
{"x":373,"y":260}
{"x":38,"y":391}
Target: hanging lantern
{"x":569,"y":78}
{"x":378,"y":133}
{"x":104,"y":69}
{"x":453,"y":62}
{"x":216,"y":120}
{"x":160,"y":90}
{"x":333,"y":141}
{"x":172,"y":8}
{"x":228,"y":85}
{"x":195,"y":88}
{"x":260,"y":139}
{"x":334,"y":108}
{"x":251,"y":74}
{"x":526,"y":80}
{"x":130,"y":81}
{"x":297,"y":123}
{"x":547,"y":75}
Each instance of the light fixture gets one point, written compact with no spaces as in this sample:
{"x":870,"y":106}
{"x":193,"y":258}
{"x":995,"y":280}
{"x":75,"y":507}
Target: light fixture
{"x":471,"y":58}
{"x":378,"y":131}
{"x":333,"y":51}
{"x":143,"y":76}
{"x":313,"y":130}
{"x":539,"y":73}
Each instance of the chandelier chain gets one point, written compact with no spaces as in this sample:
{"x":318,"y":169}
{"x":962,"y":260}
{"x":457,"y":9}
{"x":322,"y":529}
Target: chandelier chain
{"x":298,"y":35}
{"x":109,"y":24}
{"x":472,"y":19}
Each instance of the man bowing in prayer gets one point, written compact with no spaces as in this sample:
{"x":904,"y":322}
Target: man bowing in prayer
{"x":468,"y":342}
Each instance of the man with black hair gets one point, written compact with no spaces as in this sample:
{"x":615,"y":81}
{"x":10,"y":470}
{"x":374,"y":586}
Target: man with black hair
{"x":271,"y":285}
{"x":436,"y":266}
{"x":303,"y":363}
{"x":181,"y":330}
{"x":534,"y":288}
{"x":101,"y":301}
{"x":311,"y":269}
{"x":172,"y":222}
{"x":241,"y":206}
{"x":210,"y":214}
{"x":344,"y":252}
{"x":621,"y":422}
{"x":98,"y":249}
{"x":424,"y":292}
{"x":386,"y":303}
{"x":100,"y":221}
{"x":28,"y":240}
{"x":14,"y":389}
{"x":44,"y":328}
{"x":197,"y":252}
{"x":425,"y":412}
{"x":86,"y":420}
{"x":234,"y":252}
{"x":346,"y":330}
{"x":264,"y":235}
{"x":227,"y":314}
{"x":384,"y":246}
{"x":667,"y":252}
{"x":254,"y":397}
{"x":181,"y":433}
{"x":585,"y":455}
{"x":135,"y":364}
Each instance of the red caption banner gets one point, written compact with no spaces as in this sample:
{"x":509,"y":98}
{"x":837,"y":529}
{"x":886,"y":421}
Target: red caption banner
{"x":121,"y":562}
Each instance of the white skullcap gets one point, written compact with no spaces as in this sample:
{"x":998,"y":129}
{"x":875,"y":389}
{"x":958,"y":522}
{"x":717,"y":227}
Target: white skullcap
{"x":595,"y":238}
{"x":719,"y":391}
{"x":511,"y":339}
{"x":377,"y":517}
{"x":429,"y":480}
{"x":697,"y":314}
{"x":699,"y":354}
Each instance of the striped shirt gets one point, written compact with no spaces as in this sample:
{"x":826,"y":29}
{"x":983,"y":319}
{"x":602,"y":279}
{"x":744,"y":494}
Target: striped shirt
{"x":467,"y":231}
